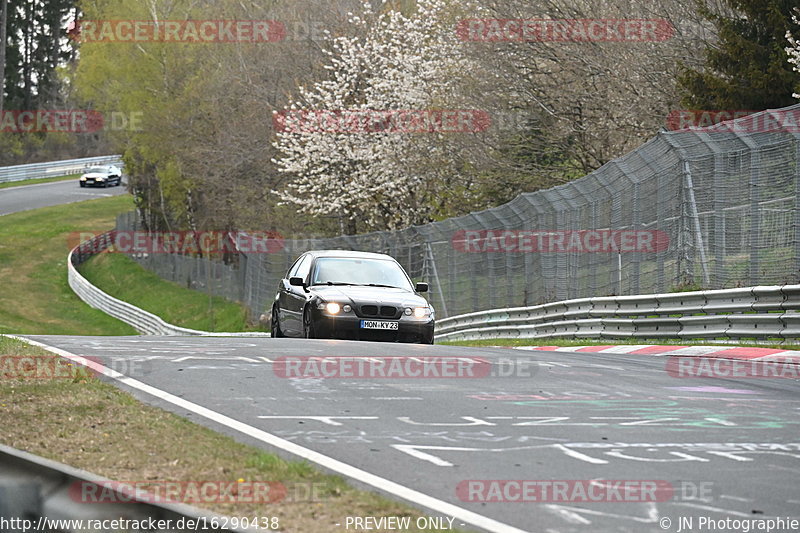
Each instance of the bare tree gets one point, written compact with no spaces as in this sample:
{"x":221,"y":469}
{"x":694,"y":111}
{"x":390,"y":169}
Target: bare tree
{"x":3,"y":22}
{"x":589,"y":101}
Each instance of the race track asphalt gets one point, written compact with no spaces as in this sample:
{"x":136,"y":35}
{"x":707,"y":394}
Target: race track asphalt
{"x":716,"y":448}
{"x":25,"y":197}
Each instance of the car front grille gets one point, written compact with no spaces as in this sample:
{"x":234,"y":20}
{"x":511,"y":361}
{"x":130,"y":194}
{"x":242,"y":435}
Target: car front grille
{"x":388,"y":311}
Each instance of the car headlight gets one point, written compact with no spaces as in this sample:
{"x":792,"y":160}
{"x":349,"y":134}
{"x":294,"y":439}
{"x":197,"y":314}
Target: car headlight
{"x":83,"y":178}
{"x":422,"y":312}
{"x":333,"y":308}
{"x":101,"y":178}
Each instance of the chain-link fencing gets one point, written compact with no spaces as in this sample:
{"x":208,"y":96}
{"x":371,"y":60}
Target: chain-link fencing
{"x":711,"y":208}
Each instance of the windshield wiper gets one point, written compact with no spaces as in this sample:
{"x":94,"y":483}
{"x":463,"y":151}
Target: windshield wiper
{"x":380,"y":285}
{"x":348,"y":284}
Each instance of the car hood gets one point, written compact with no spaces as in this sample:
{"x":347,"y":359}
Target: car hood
{"x":95,"y":175}
{"x":368,"y":295}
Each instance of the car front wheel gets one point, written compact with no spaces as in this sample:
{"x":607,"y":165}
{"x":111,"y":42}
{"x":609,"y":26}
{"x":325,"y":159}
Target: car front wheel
{"x":275,"y":326}
{"x":308,"y":325}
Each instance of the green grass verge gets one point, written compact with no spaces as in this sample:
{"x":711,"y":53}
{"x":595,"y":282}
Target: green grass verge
{"x":36,"y":298}
{"x":123,"y":278}
{"x":38,"y":180}
{"x":607,"y":342}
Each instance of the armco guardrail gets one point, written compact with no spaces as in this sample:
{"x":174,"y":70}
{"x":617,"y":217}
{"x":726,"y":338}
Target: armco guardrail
{"x":34,"y":488}
{"x":54,"y":169}
{"x":141,"y":320}
{"x":768,"y":312}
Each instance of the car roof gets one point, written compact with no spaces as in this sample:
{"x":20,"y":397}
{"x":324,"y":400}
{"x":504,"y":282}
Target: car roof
{"x":350,"y":254}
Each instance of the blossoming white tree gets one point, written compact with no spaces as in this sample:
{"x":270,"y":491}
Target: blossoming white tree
{"x":369,"y":177}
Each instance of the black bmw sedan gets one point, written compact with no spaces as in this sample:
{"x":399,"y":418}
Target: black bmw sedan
{"x":351,"y":295}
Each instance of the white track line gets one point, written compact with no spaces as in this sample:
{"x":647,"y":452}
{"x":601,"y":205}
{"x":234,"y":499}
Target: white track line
{"x":329,"y":463}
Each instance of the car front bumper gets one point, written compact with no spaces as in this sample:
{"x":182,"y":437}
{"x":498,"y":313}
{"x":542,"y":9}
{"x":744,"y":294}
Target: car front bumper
{"x":349,"y":327}
{"x":94,"y":183}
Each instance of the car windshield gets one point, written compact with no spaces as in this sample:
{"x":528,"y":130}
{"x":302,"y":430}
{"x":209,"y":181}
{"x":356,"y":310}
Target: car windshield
{"x":357,"y":271}
{"x":97,"y":169}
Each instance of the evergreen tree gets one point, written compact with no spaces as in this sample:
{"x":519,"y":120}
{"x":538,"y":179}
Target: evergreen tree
{"x":747,"y":68}
{"x":36,"y":45}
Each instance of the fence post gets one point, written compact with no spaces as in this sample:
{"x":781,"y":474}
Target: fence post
{"x":475,"y":272}
{"x":755,"y":218}
{"x":616,"y":223}
{"x":687,"y":174}
{"x":451,"y":274}
{"x":637,"y":255}
{"x":719,"y":224}
{"x":796,"y":210}
{"x":431,"y":261}
{"x":562,"y":260}
{"x":662,"y":193}
{"x":664,"y":190}
{"x":528,"y":256}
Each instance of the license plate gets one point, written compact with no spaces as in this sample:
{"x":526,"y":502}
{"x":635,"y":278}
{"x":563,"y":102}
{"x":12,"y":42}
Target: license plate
{"x":378,"y":324}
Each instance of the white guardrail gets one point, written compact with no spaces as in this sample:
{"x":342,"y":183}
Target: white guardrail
{"x":32,"y":487}
{"x":54,"y":169}
{"x":143,"y":321}
{"x":768,"y":312}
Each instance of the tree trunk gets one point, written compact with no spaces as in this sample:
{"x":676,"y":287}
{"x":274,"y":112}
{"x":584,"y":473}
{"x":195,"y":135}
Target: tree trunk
{"x":3,"y":20}
{"x":27,"y":66}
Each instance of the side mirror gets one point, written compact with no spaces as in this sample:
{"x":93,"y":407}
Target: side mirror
{"x":422,"y":287}
{"x":297,"y":281}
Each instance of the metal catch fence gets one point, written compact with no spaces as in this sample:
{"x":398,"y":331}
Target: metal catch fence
{"x":714,"y":208}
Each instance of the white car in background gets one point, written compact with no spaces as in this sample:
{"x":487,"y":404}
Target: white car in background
{"x":101,"y":176}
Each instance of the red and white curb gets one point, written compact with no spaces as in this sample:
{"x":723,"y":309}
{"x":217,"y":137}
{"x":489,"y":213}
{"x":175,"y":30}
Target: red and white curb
{"x":722,"y":352}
